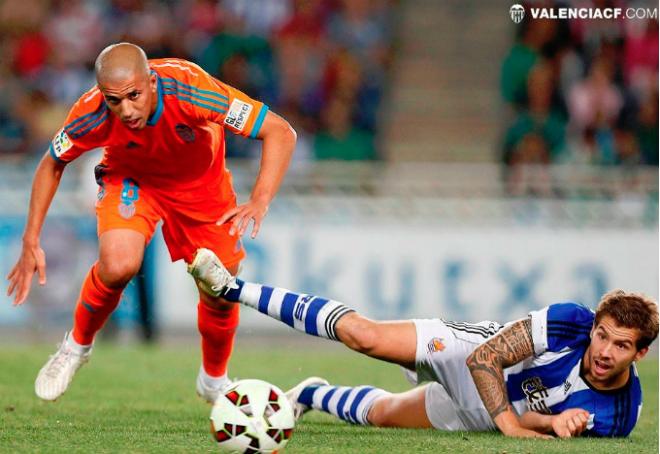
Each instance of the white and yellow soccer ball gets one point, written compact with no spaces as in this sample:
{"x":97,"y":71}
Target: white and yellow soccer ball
{"x":252,"y":416}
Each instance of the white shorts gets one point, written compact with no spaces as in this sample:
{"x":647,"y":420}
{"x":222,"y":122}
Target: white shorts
{"x":452,"y":402}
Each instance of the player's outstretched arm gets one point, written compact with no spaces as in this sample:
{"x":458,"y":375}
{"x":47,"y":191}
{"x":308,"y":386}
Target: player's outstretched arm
{"x":487,"y":363}
{"x":279,"y":141}
{"x":33,"y":259}
{"x":569,"y":423}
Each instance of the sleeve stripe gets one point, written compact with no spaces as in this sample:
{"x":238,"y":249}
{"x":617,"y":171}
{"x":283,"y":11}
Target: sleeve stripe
{"x":81,"y":121}
{"x":78,"y":120}
{"x":259,"y":121}
{"x":568,"y":324}
{"x":563,"y":335}
{"x":90,"y":127}
{"x":167,"y":80}
{"x":566,"y":329}
{"x":206,"y":106}
{"x":196,"y":96}
{"x":84,"y":125}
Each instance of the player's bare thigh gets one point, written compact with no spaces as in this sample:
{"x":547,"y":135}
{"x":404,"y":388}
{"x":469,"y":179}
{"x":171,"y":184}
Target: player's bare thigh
{"x":407,"y":409}
{"x":217,"y":302}
{"x":392,"y":341}
{"x":120,"y":255}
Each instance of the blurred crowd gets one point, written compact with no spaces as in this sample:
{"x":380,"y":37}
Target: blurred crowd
{"x":582,"y":91}
{"x":322,"y":64}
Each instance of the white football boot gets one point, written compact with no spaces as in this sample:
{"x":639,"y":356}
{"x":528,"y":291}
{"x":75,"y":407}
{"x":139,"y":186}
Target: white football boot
{"x":211,"y":274}
{"x":56,"y":375}
{"x":293,"y":394}
{"x":210,"y":393}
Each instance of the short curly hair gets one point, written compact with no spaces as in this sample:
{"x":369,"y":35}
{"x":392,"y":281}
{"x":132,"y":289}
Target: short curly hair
{"x":631,"y":310}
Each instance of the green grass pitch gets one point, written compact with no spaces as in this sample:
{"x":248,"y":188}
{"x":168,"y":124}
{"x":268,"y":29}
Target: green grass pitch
{"x":142,"y":399}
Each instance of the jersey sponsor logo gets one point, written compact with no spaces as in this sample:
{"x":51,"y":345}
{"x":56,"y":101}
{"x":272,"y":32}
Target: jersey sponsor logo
{"x":185,"y":132}
{"x":435,"y":345}
{"x":536,"y":393}
{"x":61,"y":143}
{"x":132,"y":144}
{"x":238,"y":114}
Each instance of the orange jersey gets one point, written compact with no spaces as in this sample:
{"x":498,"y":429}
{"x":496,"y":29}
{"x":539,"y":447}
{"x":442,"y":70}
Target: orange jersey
{"x":181,"y":151}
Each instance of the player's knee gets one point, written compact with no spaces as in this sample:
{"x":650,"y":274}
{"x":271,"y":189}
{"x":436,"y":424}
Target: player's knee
{"x":381,"y":413}
{"x":216,"y":302}
{"x":359,"y":333}
{"x":117,"y":273}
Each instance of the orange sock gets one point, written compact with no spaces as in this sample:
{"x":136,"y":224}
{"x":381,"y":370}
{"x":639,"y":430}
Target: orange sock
{"x":95,"y":304}
{"x":217,"y":328}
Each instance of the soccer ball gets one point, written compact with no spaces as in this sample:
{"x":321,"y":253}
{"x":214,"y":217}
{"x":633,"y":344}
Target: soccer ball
{"x":252,"y":416}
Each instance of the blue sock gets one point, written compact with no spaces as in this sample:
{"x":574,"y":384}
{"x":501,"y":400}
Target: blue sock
{"x":349,"y":404}
{"x":306,"y":313}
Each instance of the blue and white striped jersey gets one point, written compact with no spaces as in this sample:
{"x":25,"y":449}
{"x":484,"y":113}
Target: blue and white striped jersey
{"x":551,"y":381}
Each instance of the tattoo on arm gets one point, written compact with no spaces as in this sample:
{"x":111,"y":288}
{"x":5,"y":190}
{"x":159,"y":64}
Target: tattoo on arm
{"x":488,"y":361}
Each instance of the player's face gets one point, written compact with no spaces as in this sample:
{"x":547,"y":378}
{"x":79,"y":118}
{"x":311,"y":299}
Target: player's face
{"x":133,"y":100}
{"x":612,"y":350}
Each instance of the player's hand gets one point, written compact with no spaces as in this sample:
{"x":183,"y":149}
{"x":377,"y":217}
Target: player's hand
{"x":520,"y":432}
{"x":32,"y":259}
{"x":254,"y":210}
{"x":570,"y":423}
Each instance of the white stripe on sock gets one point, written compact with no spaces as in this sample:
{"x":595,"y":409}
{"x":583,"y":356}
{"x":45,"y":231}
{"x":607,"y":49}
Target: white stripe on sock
{"x":275,"y":303}
{"x":250,"y":294}
{"x":334,"y":400}
{"x":366,"y":404}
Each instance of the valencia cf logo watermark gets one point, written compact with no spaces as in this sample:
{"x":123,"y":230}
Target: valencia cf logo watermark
{"x":185,"y":132}
{"x":517,"y":13}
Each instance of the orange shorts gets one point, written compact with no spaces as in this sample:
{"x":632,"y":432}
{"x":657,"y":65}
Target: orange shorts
{"x":123,"y":204}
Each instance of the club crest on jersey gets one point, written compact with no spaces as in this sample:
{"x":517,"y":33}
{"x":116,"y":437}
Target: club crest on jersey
{"x":536,"y":393}
{"x":61,"y":143}
{"x":238,"y":114}
{"x":436,"y":345}
{"x":185,"y":132}
{"x":126,"y":211}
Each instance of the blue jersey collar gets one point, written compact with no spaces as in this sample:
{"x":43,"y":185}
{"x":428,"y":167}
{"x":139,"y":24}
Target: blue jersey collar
{"x":153,"y":119}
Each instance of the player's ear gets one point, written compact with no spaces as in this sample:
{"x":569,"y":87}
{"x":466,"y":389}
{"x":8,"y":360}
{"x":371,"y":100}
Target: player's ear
{"x":153,"y":83}
{"x":641,"y":353}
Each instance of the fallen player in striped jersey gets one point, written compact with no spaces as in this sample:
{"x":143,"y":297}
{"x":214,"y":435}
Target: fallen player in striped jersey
{"x":563,"y":370}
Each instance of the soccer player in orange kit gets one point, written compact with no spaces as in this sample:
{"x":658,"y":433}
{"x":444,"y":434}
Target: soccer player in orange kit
{"x":161,"y":124}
